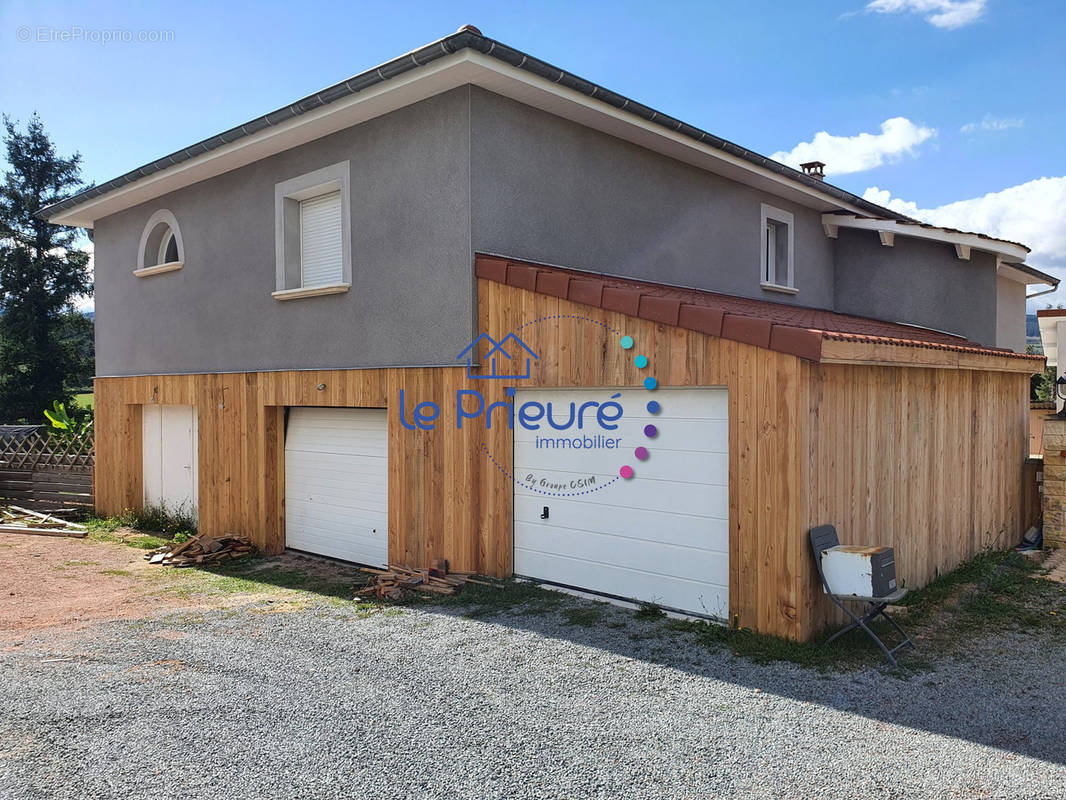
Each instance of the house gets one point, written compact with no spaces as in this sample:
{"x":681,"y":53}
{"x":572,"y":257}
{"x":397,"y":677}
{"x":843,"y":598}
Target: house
{"x":729,"y":351}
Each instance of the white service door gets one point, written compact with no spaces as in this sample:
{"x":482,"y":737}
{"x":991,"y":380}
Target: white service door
{"x":660,"y":537}
{"x":170,"y":462}
{"x":336,"y":483}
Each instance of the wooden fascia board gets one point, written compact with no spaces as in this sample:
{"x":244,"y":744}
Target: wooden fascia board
{"x":835,"y":351}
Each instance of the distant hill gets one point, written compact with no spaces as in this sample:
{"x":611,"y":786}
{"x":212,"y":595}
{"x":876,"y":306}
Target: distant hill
{"x":1032,"y":328}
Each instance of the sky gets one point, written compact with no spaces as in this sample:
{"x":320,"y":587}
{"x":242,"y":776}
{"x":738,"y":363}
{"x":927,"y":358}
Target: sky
{"x":949,"y":110}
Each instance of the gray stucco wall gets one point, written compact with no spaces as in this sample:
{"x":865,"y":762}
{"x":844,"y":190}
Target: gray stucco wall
{"x":470,"y":171}
{"x":549,"y":190}
{"x":1010,"y":314}
{"x":411,"y":296}
{"x":918,"y":282}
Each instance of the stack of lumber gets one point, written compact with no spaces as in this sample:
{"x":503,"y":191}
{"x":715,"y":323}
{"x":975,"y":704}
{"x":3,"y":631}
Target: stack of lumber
{"x":21,"y":520}
{"x":393,"y":583}
{"x":201,"y":550}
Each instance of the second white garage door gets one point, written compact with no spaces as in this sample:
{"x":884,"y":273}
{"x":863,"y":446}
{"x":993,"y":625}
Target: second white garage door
{"x":662,"y":536}
{"x":336,"y":483}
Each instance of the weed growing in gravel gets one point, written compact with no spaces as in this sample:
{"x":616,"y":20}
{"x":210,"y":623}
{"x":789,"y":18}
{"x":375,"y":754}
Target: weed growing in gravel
{"x":585,"y":617}
{"x":648,"y":611}
{"x":125,"y":573}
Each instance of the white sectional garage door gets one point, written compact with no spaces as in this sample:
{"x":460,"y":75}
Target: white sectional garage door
{"x":336,"y":483}
{"x":170,"y":458}
{"x":661,"y":536}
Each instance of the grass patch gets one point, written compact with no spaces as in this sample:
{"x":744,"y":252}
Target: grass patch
{"x":145,"y":541}
{"x":153,"y":519}
{"x":260,"y":575}
{"x":853,"y":649}
{"x":145,"y":530}
{"x":503,"y":596}
{"x":996,"y":591}
{"x":84,"y":400}
{"x":125,"y":573}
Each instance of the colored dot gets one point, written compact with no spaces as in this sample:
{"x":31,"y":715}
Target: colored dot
{"x":650,"y":383}
{"x":641,"y":453}
{"x":654,"y":407}
{"x":651,"y":431}
{"x":627,"y":342}
{"x":641,"y":362}
{"x":626,"y":472}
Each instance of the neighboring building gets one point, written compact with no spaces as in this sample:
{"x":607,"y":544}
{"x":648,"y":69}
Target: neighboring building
{"x":1052,"y":326}
{"x":276,"y":300}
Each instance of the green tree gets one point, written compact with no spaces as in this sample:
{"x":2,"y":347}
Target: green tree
{"x":42,"y":273}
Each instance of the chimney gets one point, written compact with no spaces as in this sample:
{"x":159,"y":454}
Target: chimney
{"x":816,"y":169}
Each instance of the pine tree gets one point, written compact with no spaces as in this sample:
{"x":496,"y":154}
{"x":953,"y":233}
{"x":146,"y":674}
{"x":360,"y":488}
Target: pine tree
{"x":42,"y":273}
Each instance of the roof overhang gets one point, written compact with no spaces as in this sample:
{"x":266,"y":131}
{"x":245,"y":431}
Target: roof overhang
{"x":1023,"y":273}
{"x":1010,"y":254}
{"x":1050,"y":321}
{"x":463,"y":58}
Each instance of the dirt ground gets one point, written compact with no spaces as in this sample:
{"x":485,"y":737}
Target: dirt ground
{"x":47,"y":581}
{"x":51,"y":582}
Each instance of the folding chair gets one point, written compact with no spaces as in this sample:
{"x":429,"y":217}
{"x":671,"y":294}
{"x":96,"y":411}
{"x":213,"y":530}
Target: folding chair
{"x":824,"y":537}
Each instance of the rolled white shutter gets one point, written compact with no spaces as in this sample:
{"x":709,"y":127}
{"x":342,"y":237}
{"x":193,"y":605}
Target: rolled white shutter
{"x":321,"y":256}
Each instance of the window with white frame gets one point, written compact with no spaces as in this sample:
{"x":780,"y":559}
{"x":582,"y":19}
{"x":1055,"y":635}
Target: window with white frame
{"x":313,"y":233}
{"x":776,"y":250}
{"x":160,"y":249}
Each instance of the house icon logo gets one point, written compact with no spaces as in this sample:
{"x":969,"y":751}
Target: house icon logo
{"x":504,"y":358}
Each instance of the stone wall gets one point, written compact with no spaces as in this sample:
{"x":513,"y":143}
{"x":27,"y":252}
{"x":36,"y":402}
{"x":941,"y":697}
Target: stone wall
{"x":1054,"y":482}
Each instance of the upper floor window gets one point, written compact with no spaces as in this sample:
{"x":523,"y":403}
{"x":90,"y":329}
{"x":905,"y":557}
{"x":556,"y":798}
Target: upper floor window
{"x":776,"y":250}
{"x":161,"y":248}
{"x":313,"y":233}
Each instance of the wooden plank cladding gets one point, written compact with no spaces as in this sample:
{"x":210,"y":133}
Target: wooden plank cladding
{"x":926,"y":459}
{"x":929,"y":461}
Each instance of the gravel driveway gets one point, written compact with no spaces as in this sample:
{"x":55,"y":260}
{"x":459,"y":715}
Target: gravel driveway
{"x":330,"y":701}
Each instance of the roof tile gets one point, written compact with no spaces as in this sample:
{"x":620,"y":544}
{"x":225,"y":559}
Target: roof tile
{"x":523,"y":276}
{"x":588,"y":292}
{"x":554,"y":283}
{"x":659,"y":309}
{"x":749,"y":330}
{"x":626,"y":301}
{"x":796,"y":330}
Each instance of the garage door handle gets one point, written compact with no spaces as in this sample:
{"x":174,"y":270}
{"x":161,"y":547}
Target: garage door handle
{"x":544,"y":513}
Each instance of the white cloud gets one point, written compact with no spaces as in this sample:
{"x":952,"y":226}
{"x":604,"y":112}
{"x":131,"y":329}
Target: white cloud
{"x":843,"y":154}
{"x":948,"y":14}
{"x":990,"y":123}
{"x":1030,"y":213}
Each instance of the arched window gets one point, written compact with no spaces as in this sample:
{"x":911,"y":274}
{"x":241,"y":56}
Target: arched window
{"x":161,"y":248}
